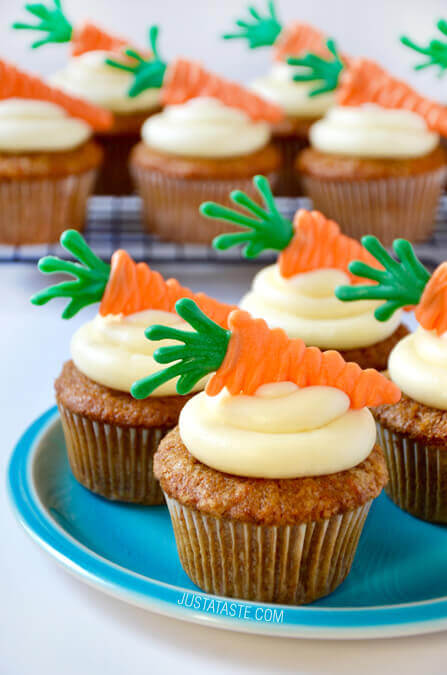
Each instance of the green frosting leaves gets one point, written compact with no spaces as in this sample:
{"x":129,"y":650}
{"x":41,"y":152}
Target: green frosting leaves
{"x":148,"y":73}
{"x":259,"y":31}
{"x":401,"y":283}
{"x":201,"y":353}
{"x":267,"y":230}
{"x":324,"y":71}
{"x":51,"y":20}
{"x":91,"y":276}
{"x":436,"y":50}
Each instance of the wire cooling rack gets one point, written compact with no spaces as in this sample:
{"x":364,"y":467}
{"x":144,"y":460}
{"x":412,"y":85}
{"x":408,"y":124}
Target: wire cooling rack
{"x":115,"y":222}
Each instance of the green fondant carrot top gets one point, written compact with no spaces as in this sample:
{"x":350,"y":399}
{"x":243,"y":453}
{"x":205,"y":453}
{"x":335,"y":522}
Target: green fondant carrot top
{"x":258,"y":30}
{"x":435,"y":51}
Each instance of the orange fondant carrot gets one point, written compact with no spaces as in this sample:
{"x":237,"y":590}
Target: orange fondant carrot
{"x":257,"y":355}
{"x":133,"y":287}
{"x":431,"y":312}
{"x":364,"y":81}
{"x":91,"y":38}
{"x":15,"y":83}
{"x":318,"y":243}
{"x":185,"y":80}
{"x":300,"y":38}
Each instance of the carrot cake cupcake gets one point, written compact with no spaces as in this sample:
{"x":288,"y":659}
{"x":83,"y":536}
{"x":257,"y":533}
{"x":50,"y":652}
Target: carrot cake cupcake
{"x":297,"y":293}
{"x":111,"y":437}
{"x":48,"y":161}
{"x":413,"y":431}
{"x":271,"y":472}
{"x":375,"y":162}
{"x":212,"y":136}
{"x":292,"y":83}
{"x":90,"y":75}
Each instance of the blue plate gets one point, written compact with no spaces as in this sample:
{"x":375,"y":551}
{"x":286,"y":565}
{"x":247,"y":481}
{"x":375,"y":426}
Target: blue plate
{"x":398,"y":584}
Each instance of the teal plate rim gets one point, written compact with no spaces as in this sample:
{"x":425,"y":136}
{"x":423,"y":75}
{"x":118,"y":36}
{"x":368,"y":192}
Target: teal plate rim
{"x":157,"y":596}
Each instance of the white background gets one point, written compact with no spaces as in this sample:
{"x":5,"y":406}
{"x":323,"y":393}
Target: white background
{"x":50,"y":623}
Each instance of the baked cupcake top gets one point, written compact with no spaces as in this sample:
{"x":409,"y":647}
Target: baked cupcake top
{"x":297,"y":293}
{"x":205,"y":115}
{"x":418,"y":363}
{"x":293,"y":82}
{"x":111,"y":349}
{"x":378,"y":116}
{"x":35,"y":117}
{"x":89,"y":73}
{"x":273,"y":408}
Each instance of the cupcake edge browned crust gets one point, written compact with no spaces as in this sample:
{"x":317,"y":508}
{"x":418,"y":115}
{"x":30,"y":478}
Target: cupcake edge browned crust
{"x":264,"y":161}
{"x":344,"y":168}
{"x":376,"y":355}
{"x":265,"y":501}
{"x":80,"y":395}
{"x":50,"y":164}
{"x":419,"y":422}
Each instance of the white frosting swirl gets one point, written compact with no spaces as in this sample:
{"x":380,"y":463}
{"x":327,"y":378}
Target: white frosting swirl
{"x":280,"y":432}
{"x":113,"y":350}
{"x":88,"y":76}
{"x":418,"y":365}
{"x":279,"y":87}
{"x":204,"y":127}
{"x":371,"y":131}
{"x":305,"y":306}
{"x":39,"y":126}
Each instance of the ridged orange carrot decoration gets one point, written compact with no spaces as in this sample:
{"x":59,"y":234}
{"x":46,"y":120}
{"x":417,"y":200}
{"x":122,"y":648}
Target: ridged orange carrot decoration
{"x":258,"y":355}
{"x":318,"y":243}
{"x":185,"y":80}
{"x":431,"y":312}
{"x":90,"y":38}
{"x":15,"y":83}
{"x":297,"y":39}
{"x":364,"y":81}
{"x":133,"y":287}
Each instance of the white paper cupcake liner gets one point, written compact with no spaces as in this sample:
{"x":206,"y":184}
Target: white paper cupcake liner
{"x":387,"y":208}
{"x":171,"y":205}
{"x":291,"y":564}
{"x":418,"y":475}
{"x":38,"y":210}
{"x":111,"y":461}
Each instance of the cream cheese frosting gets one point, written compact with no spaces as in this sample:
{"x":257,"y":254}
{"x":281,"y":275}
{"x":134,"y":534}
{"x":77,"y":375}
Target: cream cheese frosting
{"x":39,"y":126}
{"x":89,"y":77}
{"x":204,"y":127}
{"x":418,"y":365}
{"x":371,"y":131}
{"x":279,"y":87}
{"x":113,"y":351}
{"x":280,"y":432}
{"x":305,"y":306}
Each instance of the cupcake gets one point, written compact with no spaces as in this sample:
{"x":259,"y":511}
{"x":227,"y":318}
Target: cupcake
{"x":288,"y":84}
{"x":375,"y":163}
{"x":435,"y":51}
{"x":48,"y":161}
{"x":92,"y":74}
{"x":297,"y":293}
{"x":212,"y":136}
{"x":413,"y":431}
{"x":110,"y":437}
{"x":271,"y":473}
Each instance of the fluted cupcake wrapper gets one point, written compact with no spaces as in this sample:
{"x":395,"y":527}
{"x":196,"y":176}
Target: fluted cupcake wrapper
{"x":38,"y":210}
{"x":418,"y":475}
{"x":387,"y":208}
{"x":288,"y":564}
{"x":171,"y":205}
{"x":288,"y":182}
{"x":112,"y":461}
